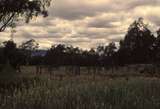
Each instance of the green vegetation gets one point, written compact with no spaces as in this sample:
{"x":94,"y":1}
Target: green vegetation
{"x":75,"y":93}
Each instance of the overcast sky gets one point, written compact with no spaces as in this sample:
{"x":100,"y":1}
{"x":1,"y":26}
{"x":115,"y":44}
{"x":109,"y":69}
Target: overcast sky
{"x":87,"y":23}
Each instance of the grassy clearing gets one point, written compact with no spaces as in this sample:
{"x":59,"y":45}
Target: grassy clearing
{"x":41,"y":93}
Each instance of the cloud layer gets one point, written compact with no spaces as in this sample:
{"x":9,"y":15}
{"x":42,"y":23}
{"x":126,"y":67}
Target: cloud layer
{"x":86,"y":23}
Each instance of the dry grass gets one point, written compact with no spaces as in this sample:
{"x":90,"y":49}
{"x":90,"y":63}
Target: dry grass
{"x":80,"y":92}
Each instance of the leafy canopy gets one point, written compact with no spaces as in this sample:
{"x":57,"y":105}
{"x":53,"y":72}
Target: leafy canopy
{"x":12,"y":10}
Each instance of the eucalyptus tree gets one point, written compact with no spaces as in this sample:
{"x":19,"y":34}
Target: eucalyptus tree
{"x":11,"y":56}
{"x":12,"y":11}
{"x":137,"y":43}
{"x":156,"y":48}
{"x":110,"y":52}
{"x":28,"y":48}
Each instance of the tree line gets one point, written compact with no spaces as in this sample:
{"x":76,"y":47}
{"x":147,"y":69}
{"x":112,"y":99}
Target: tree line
{"x":139,"y":46}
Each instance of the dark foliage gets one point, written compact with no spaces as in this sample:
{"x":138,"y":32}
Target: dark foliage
{"x":12,"y":10}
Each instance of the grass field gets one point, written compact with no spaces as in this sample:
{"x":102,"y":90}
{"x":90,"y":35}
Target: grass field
{"x":73,"y":93}
{"x":80,"y":92}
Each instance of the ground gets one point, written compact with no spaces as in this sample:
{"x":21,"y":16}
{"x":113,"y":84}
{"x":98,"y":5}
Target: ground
{"x":31,"y":91}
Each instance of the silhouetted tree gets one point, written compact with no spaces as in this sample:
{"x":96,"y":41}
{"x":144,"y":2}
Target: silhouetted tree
{"x":9,"y":51}
{"x":156,"y":48}
{"x":110,"y":52}
{"x":55,"y":57}
{"x":12,"y":55}
{"x":137,"y":44}
{"x":2,"y":59}
{"x":28,"y":48}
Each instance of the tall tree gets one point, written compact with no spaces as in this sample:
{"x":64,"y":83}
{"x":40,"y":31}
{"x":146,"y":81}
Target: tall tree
{"x":55,"y":55}
{"x":110,"y":52}
{"x":11,"y":54}
{"x":28,"y":48}
{"x":138,"y":42}
{"x":12,"y":10}
{"x":156,"y":48}
{"x":9,"y":50}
